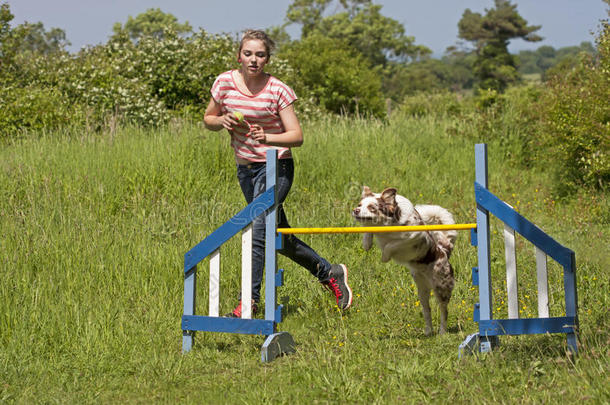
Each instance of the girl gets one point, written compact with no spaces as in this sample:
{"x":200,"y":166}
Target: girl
{"x":257,"y":110}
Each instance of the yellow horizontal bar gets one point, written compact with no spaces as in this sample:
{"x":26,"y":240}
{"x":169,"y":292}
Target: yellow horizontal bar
{"x":377,"y":229}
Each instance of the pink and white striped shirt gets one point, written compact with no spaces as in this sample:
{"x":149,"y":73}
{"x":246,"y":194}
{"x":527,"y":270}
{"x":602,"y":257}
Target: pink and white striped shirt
{"x":262,"y":108}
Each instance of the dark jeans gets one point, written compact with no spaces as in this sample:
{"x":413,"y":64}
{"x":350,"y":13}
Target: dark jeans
{"x":252,"y":179}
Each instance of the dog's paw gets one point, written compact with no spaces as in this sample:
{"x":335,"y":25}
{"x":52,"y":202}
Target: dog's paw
{"x":367,"y":241}
{"x":385,"y":257}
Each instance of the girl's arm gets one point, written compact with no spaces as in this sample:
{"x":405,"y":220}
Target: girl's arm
{"x":214,"y":120}
{"x":292,"y":136}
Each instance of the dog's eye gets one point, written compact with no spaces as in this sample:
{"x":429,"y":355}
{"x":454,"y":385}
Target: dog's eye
{"x":372,"y":208}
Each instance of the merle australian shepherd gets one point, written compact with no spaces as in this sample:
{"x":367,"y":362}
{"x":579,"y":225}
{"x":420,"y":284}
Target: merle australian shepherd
{"x":424,"y":253}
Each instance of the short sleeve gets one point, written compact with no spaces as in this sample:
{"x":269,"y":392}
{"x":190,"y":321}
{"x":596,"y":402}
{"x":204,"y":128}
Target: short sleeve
{"x":286,"y":97}
{"x":216,"y":90}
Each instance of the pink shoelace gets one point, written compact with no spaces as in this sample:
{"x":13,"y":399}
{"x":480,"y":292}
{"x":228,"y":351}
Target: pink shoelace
{"x":334,"y":287}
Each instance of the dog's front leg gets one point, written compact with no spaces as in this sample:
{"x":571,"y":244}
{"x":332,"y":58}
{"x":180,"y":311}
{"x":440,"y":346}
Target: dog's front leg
{"x":367,"y":241}
{"x":389,"y":249}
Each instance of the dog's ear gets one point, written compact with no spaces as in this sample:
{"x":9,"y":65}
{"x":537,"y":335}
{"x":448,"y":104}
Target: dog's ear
{"x":366,"y":192}
{"x":389,"y":196}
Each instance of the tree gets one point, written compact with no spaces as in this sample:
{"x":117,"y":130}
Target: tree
{"x":5,"y":29}
{"x":379,"y":38}
{"x":460,"y":67}
{"x":361,"y":25}
{"x":151,"y":23}
{"x":546,"y":57}
{"x":308,"y":13}
{"x":495,"y":68}
{"x":334,"y":75}
{"x":428,"y":75}
{"x":34,"y":38}
{"x":279,"y":35}
{"x":5,"y":18}
{"x":19,"y":43}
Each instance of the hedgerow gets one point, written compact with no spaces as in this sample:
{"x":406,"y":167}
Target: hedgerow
{"x":563,"y":123}
{"x":577,"y":120}
{"x":147,"y":82}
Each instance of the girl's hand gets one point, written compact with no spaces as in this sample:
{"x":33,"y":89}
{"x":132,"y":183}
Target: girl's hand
{"x":228,"y":121}
{"x":257,"y":133}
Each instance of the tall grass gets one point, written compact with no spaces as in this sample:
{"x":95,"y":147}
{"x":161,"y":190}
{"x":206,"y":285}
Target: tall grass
{"x":94,"y":229}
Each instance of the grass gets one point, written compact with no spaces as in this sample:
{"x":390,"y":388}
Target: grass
{"x":94,"y":229}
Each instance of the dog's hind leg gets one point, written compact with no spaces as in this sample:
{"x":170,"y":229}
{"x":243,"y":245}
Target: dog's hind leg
{"x":444,"y":312}
{"x":423,"y":291}
{"x":443,"y":286}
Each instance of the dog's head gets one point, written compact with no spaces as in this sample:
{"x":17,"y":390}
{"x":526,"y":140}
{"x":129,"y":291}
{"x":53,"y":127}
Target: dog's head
{"x":377,"y":209}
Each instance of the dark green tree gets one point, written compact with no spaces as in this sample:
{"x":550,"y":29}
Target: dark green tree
{"x":153,"y":22}
{"x":495,"y":68}
{"x":5,"y":18}
{"x":428,"y":75}
{"x":334,"y":75}
{"x":19,"y":46}
{"x":5,"y":30}
{"x":279,"y":35}
{"x":34,"y":38}
{"x":460,"y":64}
{"x":308,"y":13}
{"x":361,"y":25}
{"x":547,"y":57}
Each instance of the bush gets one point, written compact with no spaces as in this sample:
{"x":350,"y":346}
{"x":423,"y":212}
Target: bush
{"x":402,"y":80}
{"x":119,"y":81}
{"x":34,"y":108}
{"x":147,"y":82}
{"x":338,"y":79}
{"x":181,"y":71}
{"x":437,"y":104}
{"x":577,"y":120}
{"x":513,"y":118}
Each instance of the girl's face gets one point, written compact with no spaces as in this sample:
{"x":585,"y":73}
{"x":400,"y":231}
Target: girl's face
{"x":253,"y":57}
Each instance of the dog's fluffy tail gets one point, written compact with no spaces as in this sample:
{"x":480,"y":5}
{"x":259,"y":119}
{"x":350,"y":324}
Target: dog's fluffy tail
{"x":437,"y":215}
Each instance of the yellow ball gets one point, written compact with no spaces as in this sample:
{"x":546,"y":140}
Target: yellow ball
{"x":239,"y":116}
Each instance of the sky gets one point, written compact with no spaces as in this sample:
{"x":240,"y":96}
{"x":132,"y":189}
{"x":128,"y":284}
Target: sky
{"x":433,"y":23}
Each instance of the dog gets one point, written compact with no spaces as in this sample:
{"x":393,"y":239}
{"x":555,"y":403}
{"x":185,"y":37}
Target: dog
{"x":425,"y":253}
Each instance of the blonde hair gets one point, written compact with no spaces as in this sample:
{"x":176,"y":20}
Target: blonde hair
{"x":261,"y":36}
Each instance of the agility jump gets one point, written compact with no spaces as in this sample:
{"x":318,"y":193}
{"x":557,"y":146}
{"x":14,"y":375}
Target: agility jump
{"x":377,"y":229}
{"x":277,"y":343}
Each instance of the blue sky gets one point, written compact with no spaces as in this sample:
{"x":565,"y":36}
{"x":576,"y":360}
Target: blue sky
{"x":432,"y":22}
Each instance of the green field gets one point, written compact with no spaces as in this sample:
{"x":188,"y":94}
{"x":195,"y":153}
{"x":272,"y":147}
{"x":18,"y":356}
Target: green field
{"x":94,"y":229}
